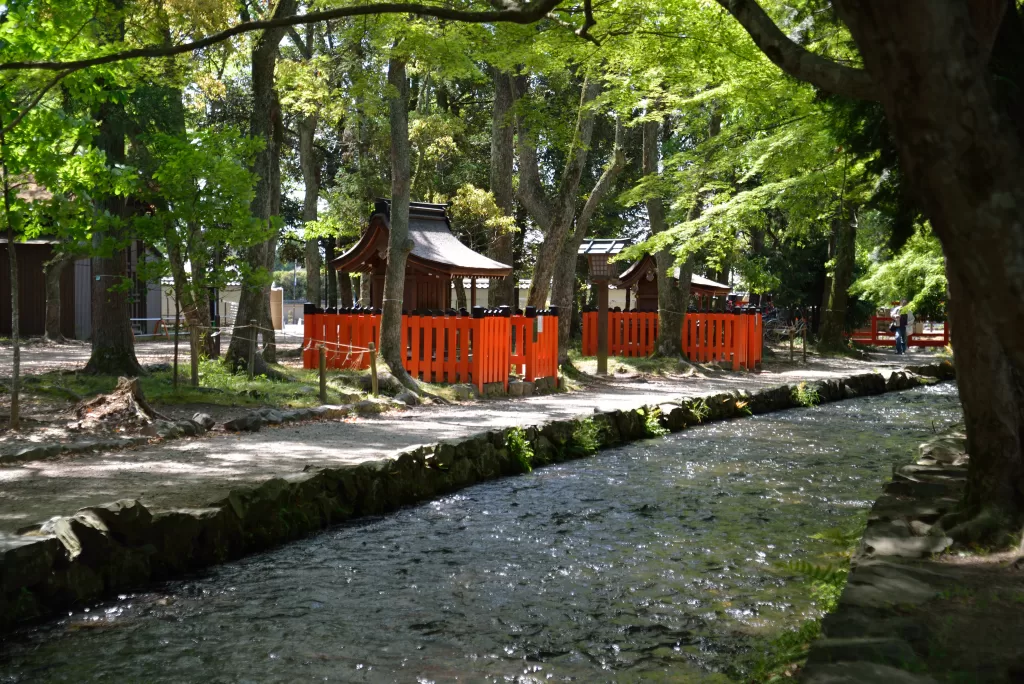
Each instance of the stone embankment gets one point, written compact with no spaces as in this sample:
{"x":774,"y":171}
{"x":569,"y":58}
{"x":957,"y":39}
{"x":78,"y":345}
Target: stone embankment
{"x":102,"y":550}
{"x":912,"y":611}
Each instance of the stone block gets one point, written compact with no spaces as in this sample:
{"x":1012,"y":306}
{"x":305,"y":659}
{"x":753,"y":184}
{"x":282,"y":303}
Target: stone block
{"x":465,"y":392}
{"x":408,"y":398}
{"x":882,"y":650}
{"x":246,"y":423}
{"x":205,"y":420}
{"x":494,"y":390}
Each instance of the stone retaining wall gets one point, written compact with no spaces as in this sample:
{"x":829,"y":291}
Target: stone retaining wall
{"x":103,"y":550}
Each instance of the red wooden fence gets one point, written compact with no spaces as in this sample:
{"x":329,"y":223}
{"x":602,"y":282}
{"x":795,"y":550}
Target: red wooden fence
{"x":730,"y":337}
{"x":877,"y":334}
{"x":442,"y":349}
{"x":534,"y":347}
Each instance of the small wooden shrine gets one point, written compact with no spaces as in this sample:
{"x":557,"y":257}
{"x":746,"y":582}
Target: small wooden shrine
{"x":643,"y":275}
{"x":436,"y":258}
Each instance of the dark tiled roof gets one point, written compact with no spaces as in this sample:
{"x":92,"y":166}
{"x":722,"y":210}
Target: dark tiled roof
{"x":433,"y":243}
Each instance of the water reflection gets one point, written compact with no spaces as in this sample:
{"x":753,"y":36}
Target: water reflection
{"x":655,"y":562}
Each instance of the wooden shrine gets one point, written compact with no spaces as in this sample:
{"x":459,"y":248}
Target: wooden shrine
{"x":436,"y":258}
{"x":643,"y":276}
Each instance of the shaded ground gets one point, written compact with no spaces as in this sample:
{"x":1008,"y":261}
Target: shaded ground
{"x":914,"y":612}
{"x":195,"y":472}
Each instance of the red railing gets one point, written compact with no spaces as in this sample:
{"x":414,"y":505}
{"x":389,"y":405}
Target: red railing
{"x":877,"y":334}
{"x":730,"y":337}
{"x":441,"y":348}
{"x":534,"y":346}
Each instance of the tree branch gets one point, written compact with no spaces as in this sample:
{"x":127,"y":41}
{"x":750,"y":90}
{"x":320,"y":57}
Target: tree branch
{"x":794,"y":59}
{"x":605,"y":182}
{"x":531,"y":191}
{"x":528,"y":14}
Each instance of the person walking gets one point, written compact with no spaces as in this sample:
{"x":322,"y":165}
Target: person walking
{"x":902,"y":319}
{"x":894,"y":327}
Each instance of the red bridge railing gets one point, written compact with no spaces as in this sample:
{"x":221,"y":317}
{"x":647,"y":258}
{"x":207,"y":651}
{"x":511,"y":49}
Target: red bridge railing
{"x":728,"y":337}
{"x":877,"y":334}
{"x":443,"y":347}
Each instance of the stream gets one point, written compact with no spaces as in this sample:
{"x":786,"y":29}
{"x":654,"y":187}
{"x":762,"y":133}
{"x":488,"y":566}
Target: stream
{"x":657,"y":561}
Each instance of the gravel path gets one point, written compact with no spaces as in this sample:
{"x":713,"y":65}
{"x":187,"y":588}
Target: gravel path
{"x":196,"y":472}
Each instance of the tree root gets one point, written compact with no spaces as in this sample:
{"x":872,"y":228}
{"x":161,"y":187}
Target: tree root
{"x":988,"y":527}
{"x":124,"y":407}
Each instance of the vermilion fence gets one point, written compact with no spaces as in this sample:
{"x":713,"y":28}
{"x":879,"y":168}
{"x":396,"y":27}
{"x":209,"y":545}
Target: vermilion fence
{"x":730,"y":337}
{"x":877,"y":334}
{"x":440,"y":348}
{"x":534,"y":348}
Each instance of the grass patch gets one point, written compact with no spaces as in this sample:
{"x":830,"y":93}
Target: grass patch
{"x":652,"y":422}
{"x":218,"y":387}
{"x":520,"y":449}
{"x":805,"y":395}
{"x":585,"y":439}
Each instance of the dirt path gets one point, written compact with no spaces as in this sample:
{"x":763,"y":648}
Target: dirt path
{"x":197,"y":472}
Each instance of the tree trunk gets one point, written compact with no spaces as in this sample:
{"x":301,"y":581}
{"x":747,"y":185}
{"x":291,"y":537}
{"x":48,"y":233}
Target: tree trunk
{"x":311,"y":180}
{"x":344,"y":289}
{"x":392,"y":348}
{"x":12,"y":262}
{"x":673,"y":293}
{"x":556,"y":220}
{"x":992,"y":393}
{"x":201,"y":304}
{"x":52,"y":272}
{"x":502,"y":290}
{"x":564,"y":284}
{"x":833,"y":323}
{"x":460,"y":293}
{"x":331,"y":275}
{"x":264,"y":124}
{"x":963,"y":157}
{"x":364,"y":289}
{"x":113,"y":345}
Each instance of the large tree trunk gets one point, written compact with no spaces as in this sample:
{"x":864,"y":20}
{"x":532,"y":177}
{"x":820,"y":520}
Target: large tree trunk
{"x":344,"y":289}
{"x":113,"y":345}
{"x":364,"y":289}
{"x":963,"y":158}
{"x":673,"y":293}
{"x":12,"y":262}
{"x":833,"y":324}
{"x":264,"y":124}
{"x":331,"y":275}
{"x":556,"y":220}
{"x":564,"y":284}
{"x":311,"y":179}
{"x":52,"y":272}
{"x":502,"y":290}
{"x":392,"y":348}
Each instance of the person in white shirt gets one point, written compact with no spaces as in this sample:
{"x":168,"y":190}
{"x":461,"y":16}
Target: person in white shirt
{"x":903,"y":319}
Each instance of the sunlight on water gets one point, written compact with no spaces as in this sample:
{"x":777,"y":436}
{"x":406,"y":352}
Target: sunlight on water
{"x":656,"y":561}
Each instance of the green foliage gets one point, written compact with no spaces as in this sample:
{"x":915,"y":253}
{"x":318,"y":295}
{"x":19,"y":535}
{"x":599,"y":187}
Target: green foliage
{"x":783,"y":653}
{"x":519,"y":448}
{"x":917,"y":273}
{"x":293,"y":283}
{"x":805,"y":395}
{"x":585,"y":439}
{"x":700,"y":409}
{"x":652,"y":423}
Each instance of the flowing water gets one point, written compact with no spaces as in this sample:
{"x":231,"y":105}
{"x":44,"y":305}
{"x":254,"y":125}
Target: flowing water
{"x":658,"y":561}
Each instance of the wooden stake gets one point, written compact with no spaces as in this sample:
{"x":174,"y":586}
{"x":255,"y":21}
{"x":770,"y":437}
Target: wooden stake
{"x":602,"y":326}
{"x":323,"y":372}
{"x":791,"y":334}
{"x":374,"y":389}
{"x":252,"y":347}
{"x":193,"y":334}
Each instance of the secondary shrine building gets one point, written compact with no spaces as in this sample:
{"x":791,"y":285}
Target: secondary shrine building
{"x":436,"y":258}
